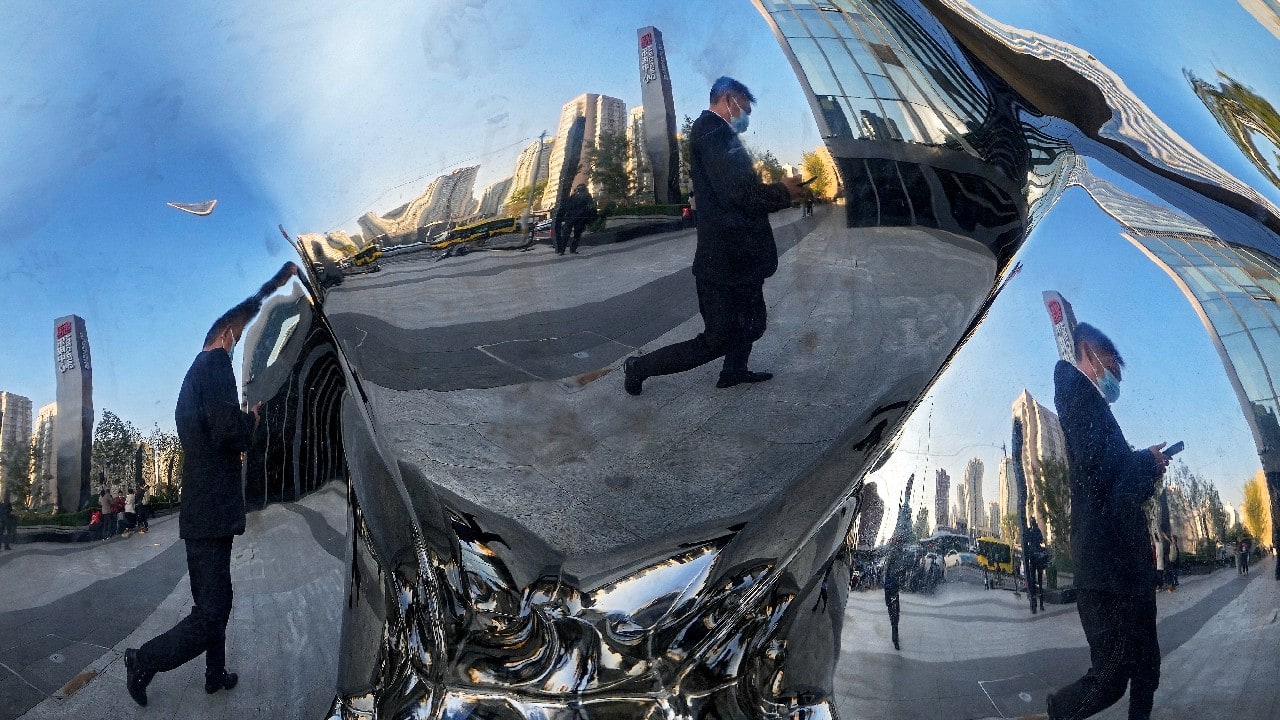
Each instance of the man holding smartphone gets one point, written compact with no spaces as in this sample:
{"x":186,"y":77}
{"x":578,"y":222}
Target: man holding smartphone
{"x":1115,"y":572}
{"x":736,"y":249}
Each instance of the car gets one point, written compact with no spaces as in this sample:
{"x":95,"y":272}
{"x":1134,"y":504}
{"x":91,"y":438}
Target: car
{"x":544,"y":230}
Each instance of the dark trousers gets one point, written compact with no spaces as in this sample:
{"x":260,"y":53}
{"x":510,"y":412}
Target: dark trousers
{"x":1123,"y":650}
{"x":569,"y":232}
{"x":204,"y":629}
{"x":734,"y":317}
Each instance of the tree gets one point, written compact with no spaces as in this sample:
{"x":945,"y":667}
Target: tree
{"x":519,"y":199}
{"x":921,"y":527}
{"x":686,"y":129}
{"x":770,"y":169}
{"x":1054,"y":505}
{"x":115,"y":442}
{"x":607,"y":163}
{"x":15,"y":465}
{"x":1256,"y":509}
{"x":163,"y":465}
{"x":816,"y":167}
{"x":1010,"y":531}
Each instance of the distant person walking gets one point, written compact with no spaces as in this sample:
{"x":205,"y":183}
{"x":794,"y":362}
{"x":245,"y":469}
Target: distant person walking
{"x":140,"y":503}
{"x":214,"y":432}
{"x":893,"y":571}
{"x":107,"y":504}
{"x":130,"y":510}
{"x":1037,"y":560}
{"x":8,"y":523}
{"x":572,"y":218}
{"x":736,"y":250}
{"x":1243,"y":567}
{"x":1115,"y":576}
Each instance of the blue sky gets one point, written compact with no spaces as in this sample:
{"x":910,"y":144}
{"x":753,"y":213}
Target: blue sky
{"x":306,"y":119}
{"x":1174,"y":386}
{"x":311,"y":118}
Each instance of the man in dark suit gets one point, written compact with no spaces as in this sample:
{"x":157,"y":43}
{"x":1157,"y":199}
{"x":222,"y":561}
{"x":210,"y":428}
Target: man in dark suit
{"x":1115,"y":573}
{"x":214,"y":432}
{"x":735,"y":252}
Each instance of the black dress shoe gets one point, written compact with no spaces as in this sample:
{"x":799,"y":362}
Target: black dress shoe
{"x":136,"y":679}
{"x":225,"y":681}
{"x":746,"y":376}
{"x":632,"y":379}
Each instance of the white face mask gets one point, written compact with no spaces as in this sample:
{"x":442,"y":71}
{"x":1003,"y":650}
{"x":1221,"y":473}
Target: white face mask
{"x":742,"y":121}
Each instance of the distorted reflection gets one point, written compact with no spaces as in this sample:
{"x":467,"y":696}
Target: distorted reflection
{"x":496,"y":469}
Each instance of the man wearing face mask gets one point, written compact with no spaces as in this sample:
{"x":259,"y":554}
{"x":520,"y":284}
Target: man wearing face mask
{"x":735,"y":252}
{"x":214,"y":432}
{"x":1115,"y":573}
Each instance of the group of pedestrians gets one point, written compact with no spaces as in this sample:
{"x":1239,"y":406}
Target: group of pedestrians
{"x":122,"y":514}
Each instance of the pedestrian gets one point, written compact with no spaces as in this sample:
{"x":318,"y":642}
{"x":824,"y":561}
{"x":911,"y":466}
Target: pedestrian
{"x":1244,"y":556}
{"x":130,"y":510}
{"x":140,"y":503}
{"x":1037,"y":560}
{"x":214,"y":432}
{"x":735,"y":251}
{"x":8,"y":523}
{"x":1175,"y":557}
{"x":1115,"y":577}
{"x":117,"y":509}
{"x":1160,"y":554}
{"x":578,"y":210}
{"x":893,"y":570}
{"x":808,"y":203}
{"x":107,"y":504}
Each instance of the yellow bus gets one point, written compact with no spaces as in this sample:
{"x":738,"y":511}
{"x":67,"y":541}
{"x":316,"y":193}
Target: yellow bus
{"x":995,"y":557}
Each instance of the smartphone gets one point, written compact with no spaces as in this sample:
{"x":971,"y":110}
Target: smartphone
{"x":806,"y":182}
{"x":1173,"y":449}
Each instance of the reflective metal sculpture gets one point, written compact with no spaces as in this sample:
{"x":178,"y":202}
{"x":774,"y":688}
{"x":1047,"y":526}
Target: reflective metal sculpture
{"x":524,"y":538}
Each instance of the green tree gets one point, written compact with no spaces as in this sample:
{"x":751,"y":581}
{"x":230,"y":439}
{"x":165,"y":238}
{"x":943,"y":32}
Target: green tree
{"x":686,"y":129}
{"x":15,"y":464}
{"x":1010,"y":532}
{"x":1054,"y":505}
{"x":770,"y":169}
{"x":815,"y":166}
{"x":921,"y":527}
{"x":115,"y":442}
{"x":520,"y":197}
{"x":607,"y":161}
{"x":1256,"y":509}
{"x":163,"y":465}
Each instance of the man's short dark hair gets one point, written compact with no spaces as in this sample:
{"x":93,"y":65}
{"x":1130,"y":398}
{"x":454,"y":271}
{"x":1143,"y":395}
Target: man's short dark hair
{"x":725,"y":85}
{"x":1086,"y":333}
{"x":237,"y":317}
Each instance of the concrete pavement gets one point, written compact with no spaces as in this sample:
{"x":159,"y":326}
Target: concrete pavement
{"x":973,"y":653}
{"x":69,"y":612}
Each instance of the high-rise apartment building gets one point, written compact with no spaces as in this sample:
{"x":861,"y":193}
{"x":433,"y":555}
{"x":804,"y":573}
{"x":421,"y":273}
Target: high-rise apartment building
{"x":974,"y":513}
{"x":1008,"y":488}
{"x":942,"y":498}
{"x":1042,"y":441}
{"x":639,"y":168}
{"x":15,"y":433}
{"x":494,"y":197}
{"x":583,"y":120}
{"x":44,"y":458}
{"x":531,"y":168}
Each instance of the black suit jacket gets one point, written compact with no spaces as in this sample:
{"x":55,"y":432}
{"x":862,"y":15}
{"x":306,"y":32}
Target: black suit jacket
{"x":214,"y":432}
{"x":735,"y":241}
{"x":1110,"y":481}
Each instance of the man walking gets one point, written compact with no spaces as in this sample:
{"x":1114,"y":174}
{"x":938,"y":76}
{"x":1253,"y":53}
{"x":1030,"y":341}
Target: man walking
{"x":735,"y":252}
{"x":214,"y":432}
{"x":1115,"y":576}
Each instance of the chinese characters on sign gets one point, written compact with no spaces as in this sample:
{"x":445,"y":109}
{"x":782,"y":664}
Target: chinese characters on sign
{"x":64,"y":352}
{"x":648,"y":59}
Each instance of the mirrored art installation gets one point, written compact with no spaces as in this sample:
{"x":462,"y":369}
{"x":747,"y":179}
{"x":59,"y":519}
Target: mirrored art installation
{"x":733,"y":359}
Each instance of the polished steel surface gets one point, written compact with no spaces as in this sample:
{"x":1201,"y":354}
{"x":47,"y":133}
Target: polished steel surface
{"x":524,"y":539}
